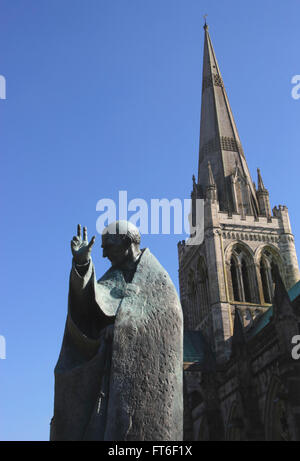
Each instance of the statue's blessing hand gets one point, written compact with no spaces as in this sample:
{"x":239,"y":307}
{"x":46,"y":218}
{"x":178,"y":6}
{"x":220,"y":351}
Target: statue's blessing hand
{"x":81,"y":247}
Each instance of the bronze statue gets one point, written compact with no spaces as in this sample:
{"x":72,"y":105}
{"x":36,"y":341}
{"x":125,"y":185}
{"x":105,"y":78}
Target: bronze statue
{"x":119,"y":373}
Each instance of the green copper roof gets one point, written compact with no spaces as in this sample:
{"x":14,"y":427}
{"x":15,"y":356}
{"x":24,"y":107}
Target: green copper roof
{"x":266,"y":317}
{"x":262,"y":322}
{"x":196,"y":350}
{"x":294,"y":291}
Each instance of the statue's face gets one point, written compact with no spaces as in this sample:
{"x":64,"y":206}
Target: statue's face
{"x":115,"y":248}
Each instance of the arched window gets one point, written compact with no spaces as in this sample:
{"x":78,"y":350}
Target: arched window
{"x":235,"y":279}
{"x":242,"y":275}
{"x":202,"y":291}
{"x":192,"y":300}
{"x":268,"y":261}
{"x":264,"y":274}
{"x":246,"y":282}
{"x":198,"y":294}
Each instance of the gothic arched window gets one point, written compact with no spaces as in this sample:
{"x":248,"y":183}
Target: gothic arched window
{"x":192,"y":299}
{"x":246,"y":281}
{"x":198,"y":293}
{"x":235,"y":279}
{"x":264,"y":274}
{"x":243,"y":286}
{"x":202,"y":292}
{"x":268,"y":261}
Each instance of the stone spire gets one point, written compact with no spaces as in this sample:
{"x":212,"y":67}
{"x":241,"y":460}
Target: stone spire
{"x":260,"y":184}
{"x":219,"y":140}
{"x":211,"y":188}
{"x":263,"y":197}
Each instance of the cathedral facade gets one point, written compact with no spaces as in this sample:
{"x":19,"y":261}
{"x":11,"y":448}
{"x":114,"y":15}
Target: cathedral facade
{"x":239,"y":290}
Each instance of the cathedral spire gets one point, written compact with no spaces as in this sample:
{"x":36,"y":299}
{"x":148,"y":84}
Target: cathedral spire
{"x":219,"y":139}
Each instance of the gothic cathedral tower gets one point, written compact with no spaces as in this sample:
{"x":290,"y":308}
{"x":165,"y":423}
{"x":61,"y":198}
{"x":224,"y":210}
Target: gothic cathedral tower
{"x":230,"y":272}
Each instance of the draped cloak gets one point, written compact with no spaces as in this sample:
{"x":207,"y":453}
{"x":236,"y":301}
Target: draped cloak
{"x":129,"y":387}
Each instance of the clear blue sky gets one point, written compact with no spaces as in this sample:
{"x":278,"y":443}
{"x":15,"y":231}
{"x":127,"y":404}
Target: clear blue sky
{"x":102,"y":96}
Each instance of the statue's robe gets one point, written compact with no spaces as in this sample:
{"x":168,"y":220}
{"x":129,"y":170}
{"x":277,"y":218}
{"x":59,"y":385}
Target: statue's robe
{"x":129,"y":387}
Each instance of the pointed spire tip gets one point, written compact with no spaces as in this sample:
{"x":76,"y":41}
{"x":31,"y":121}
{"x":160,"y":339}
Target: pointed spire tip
{"x":260,"y":183}
{"x":205,"y":27}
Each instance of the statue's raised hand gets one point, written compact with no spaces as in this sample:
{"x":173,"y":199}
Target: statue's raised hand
{"x":81,"y":247}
